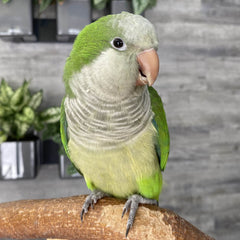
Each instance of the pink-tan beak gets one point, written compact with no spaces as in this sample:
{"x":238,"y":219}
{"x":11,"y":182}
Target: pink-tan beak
{"x":148,"y":67}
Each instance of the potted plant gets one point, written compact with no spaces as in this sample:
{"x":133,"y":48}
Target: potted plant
{"x":72,"y":17}
{"x":66,"y":168}
{"x":20,"y":119}
{"x":16,"y":19}
{"x":137,"y":6}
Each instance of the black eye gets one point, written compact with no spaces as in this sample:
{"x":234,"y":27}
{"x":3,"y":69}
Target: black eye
{"x":118,"y":44}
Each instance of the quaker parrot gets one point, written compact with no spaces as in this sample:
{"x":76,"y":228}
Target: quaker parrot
{"x":113,"y":124}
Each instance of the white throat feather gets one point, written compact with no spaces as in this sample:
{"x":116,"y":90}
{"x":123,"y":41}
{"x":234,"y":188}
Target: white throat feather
{"x":94,"y":122}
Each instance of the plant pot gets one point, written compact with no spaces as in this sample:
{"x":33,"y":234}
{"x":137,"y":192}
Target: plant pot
{"x":19,"y":159}
{"x":117,"y":6}
{"x":16,"y":20}
{"x":50,"y":152}
{"x":65,"y":166}
{"x":72,"y":17}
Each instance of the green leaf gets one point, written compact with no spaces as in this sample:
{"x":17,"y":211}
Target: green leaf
{"x":20,"y":97}
{"x":3,"y":137}
{"x":44,"y":4}
{"x":36,"y":100}
{"x":5,"y":111}
{"x":52,"y":131}
{"x":139,"y":6}
{"x":22,"y":129}
{"x":71,"y":170}
{"x":152,"y":3}
{"x":37,"y":124}
{"x":50,"y":115}
{"x":6,"y":1}
{"x":99,"y":4}
{"x":27,"y":116}
{"x":21,"y":117}
{"x":5,"y":126}
{"x":29,"y":113}
{"x":6,"y":92}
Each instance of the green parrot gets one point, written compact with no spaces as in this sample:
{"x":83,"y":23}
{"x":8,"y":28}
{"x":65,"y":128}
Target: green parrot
{"x":113,"y":124}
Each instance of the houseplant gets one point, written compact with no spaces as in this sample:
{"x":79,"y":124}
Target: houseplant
{"x":66,"y":168}
{"x":43,"y":4}
{"x":139,"y":6}
{"x":72,"y":17}
{"x":20,"y":119}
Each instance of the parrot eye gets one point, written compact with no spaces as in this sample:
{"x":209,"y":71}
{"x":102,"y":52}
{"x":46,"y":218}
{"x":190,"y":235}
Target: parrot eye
{"x":118,"y":44}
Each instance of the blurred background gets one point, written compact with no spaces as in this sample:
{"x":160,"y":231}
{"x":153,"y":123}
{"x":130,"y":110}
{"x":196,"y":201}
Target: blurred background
{"x":199,"y":82}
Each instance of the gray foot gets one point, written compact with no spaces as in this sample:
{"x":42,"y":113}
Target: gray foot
{"x":91,"y":200}
{"x":132,"y":205}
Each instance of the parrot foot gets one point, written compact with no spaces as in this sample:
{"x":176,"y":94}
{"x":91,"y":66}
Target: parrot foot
{"x":132,"y":205}
{"x":91,"y":200}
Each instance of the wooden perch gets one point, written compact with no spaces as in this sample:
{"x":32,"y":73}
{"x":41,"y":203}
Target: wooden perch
{"x":60,"y":218}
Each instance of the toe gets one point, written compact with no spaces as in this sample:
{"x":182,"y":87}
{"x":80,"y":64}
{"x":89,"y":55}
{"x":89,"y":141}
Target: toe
{"x":126,"y":207}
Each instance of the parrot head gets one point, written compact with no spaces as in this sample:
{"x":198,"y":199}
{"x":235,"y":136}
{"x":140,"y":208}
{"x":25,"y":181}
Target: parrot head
{"x":113,"y":57}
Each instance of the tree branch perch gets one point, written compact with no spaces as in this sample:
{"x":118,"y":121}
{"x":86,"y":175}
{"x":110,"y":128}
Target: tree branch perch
{"x":60,"y":218}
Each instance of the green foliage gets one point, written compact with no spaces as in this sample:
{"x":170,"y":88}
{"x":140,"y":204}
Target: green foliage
{"x":52,"y":131}
{"x":50,"y":115}
{"x":5,"y":1}
{"x":71,"y":170}
{"x":18,"y":112}
{"x":100,"y":4}
{"x":44,"y":4}
{"x":139,"y":6}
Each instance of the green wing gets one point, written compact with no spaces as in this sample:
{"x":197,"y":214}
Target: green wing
{"x":63,"y":131}
{"x":160,"y":123}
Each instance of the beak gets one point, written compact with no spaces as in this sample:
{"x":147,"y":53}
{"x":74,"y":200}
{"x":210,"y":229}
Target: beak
{"x":148,"y":67}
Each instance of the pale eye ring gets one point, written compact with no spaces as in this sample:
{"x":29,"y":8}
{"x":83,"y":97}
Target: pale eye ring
{"x":118,"y":44}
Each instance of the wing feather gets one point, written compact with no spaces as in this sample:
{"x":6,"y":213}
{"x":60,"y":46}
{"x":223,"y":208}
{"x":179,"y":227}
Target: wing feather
{"x":160,"y":123}
{"x":64,"y":134}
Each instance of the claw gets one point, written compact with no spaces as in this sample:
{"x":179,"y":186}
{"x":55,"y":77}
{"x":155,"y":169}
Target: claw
{"x":128,"y":228}
{"x":82,"y":213}
{"x":91,"y":200}
{"x":132,"y":205}
{"x":126,"y":207}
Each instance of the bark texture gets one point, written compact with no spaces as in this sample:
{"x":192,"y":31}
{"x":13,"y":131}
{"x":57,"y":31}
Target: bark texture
{"x":60,"y":218}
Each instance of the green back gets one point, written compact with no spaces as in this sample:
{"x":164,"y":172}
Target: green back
{"x":160,"y":123}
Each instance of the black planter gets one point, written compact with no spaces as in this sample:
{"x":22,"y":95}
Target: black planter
{"x":50,"y":152}
{"x":19,"y":159}
{"x":72,"y":17}
{"x":16,"y":20}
